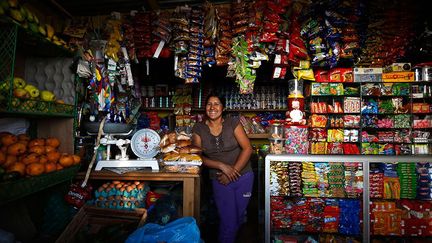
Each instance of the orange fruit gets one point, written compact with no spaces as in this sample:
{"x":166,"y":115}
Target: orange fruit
{"x":39,"y":149}
{"x":23,"y":137}
{"x":35,"y":169}
{"x":43,"y":159}
{"x":18,"y":167}
{"x":23,"y":142}
{"x":49,"y":148}
{"x":36,"y":141}
{"x":16,"y":149}
{"x":50,"y":167}
{"x":66,"y":160}
{"x":76,"y":158}
{"x":51,"y":141}
{"x":53,"y":156}
{"x":31,"y":158}
{"x":59,"y":167}
{"x":10,"y":159}
{"x":8,"y":139}
{"x":2,"y":157}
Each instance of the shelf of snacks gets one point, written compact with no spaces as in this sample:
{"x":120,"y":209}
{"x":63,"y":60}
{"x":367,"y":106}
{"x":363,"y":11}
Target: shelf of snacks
{"x":308,"y":195}
{"x":386,"y":118}
{"x":400,"y":195}
{"x":305,"y":198}
{"x":335,"y":118}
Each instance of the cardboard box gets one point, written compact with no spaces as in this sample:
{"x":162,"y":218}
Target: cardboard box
{"x":368,"y":74}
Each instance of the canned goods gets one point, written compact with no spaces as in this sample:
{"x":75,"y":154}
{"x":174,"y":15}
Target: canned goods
{"x":418,"y":74}
{"x":427,"y":73}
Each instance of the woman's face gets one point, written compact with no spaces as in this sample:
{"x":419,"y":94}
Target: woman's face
{"x":214,"y":108}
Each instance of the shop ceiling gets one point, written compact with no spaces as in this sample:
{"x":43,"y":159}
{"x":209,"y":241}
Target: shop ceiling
{"x":103,"y":7}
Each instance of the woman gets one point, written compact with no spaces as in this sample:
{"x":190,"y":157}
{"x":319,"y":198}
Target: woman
{"x":226,"y":151}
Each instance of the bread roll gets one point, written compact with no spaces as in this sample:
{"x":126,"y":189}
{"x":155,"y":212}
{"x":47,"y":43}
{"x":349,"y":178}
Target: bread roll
{"x":172,"y":137}
{"x":195,"y":149}
{"x":183,"y":143}
{"x":168,"y":148}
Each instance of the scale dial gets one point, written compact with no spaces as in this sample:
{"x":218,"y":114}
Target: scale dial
{"x":145,"y":143}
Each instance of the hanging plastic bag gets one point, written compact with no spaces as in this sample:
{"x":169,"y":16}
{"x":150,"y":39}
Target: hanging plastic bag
{"x":181,"y":230}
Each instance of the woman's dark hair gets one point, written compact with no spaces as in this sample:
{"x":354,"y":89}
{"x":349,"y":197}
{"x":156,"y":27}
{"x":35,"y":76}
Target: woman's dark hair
{"x":214,"y":94}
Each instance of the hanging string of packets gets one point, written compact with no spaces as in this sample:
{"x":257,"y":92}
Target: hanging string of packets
{"x":102,"y":93}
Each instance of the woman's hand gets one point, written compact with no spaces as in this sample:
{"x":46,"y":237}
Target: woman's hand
{"x":223,"y":179}
{"x":231,"y":173}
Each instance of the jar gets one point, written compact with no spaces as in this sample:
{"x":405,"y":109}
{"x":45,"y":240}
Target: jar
{"x":277,"y":131}
{"x":295,"y":88}
{"x":427,"y":73}
{"x":277,"y":146}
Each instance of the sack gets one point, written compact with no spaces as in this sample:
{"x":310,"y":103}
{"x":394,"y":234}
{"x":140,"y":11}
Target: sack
{"x":181,"y":230}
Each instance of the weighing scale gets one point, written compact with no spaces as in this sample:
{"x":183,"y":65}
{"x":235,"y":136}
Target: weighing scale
{"x":144,"y":144}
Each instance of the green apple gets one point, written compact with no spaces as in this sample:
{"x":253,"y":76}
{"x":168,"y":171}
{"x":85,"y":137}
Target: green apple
{"x":47,"y":95}
{"x":33,"y":91}
{"x":19,"y":83}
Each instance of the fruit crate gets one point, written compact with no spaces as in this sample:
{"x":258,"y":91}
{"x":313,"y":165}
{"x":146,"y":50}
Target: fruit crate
{"x":35,"y":107}
{"x":13,"y":103}
{"x":12,"y":190}
{"x":102,"y":225}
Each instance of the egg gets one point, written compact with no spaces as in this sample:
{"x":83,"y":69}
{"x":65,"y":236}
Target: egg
{"x":137,"y":183}
{"x":116,"y":182}
{"x":129,"y":188}
{"x":118,"y":186}
{"x":140,"y":187}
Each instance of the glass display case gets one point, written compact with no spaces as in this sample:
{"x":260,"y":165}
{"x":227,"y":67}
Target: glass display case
{"x":325,"y":198}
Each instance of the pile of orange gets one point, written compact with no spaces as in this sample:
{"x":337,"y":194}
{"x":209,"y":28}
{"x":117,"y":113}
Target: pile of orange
{"x":33,"y":157}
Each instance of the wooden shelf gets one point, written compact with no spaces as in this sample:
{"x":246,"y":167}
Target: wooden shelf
{"x":258,"y":136}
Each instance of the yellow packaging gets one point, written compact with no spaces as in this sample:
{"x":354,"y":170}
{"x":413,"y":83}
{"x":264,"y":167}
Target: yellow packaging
{"x":398,"y":77}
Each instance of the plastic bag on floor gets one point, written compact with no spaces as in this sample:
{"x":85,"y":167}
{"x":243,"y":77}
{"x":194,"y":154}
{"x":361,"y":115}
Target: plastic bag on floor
{"x":181,"y":230}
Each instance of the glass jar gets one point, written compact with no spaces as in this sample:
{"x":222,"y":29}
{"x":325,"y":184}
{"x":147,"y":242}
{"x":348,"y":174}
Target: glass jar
{"x":295,"y":87}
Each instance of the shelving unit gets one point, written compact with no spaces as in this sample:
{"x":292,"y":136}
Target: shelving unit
{"x":395,"y":117}
{"x":48,"y":119}
{"x":334,"y":118}
{"x":279,"y":169}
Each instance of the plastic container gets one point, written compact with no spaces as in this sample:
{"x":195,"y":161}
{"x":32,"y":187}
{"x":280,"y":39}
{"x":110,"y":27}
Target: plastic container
{"x":277,"y":131}
{"x":277,"y":146}
{"x":427,"y":73}
{"x":295,"y":87}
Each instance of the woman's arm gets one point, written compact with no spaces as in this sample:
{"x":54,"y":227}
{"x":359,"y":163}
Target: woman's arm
{"x":228,"y":170}
{"x":245,"y":145}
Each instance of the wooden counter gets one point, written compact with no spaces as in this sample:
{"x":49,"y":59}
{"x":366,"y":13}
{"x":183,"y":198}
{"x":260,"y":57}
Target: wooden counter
{"x":191,"y":185}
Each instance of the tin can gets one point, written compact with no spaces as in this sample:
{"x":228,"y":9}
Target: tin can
{"x":418,"y":74}
{"x":427,"y":73}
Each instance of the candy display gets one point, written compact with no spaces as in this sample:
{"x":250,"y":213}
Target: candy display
{"x":296,"y":139}
{"x":316,"y":215}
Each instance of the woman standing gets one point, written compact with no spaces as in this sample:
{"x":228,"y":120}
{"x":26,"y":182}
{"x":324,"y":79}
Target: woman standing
{"x":226,"y":151}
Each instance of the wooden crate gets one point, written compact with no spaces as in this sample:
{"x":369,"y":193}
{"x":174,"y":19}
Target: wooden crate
{"x":94,"y":219}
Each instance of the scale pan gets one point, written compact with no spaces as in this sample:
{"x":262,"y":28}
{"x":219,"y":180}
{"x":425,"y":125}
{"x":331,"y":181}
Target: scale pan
{"x":93,"y":127}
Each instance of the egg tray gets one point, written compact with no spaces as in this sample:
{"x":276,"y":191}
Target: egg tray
{"x":29,"y":106}
{"x":12,"y":190}
{"x":122,"y":204}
